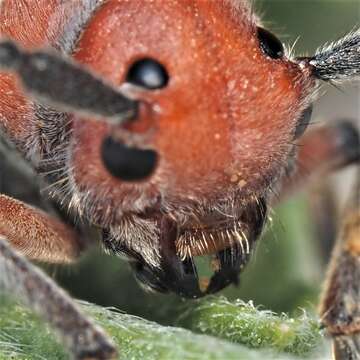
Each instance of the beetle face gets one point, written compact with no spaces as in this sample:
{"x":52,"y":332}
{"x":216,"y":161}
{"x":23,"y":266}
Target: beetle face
{"x":219,"y":105}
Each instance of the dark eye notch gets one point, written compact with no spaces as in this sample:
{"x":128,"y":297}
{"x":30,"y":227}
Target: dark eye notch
{"x":270,"y":44}
{"x":148,"y":73}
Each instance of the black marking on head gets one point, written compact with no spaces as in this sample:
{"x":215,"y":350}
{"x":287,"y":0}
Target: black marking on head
{"x":126,"y":163}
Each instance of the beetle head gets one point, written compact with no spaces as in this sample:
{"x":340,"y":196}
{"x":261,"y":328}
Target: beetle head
{"x":219,"y":104}
{"x":218,"y":107}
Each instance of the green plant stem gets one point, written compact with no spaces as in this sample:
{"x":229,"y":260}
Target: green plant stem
{"x":24,"y":336}
{"x":242,"y":323}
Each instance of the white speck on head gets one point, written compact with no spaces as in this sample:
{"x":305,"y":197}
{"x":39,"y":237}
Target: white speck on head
{"x":157,"y":108}
{"x":234,"y":178}
{"x":242,"y":183}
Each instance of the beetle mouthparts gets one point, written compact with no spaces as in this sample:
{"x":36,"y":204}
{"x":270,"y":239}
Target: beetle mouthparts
{"x":229,"y":252}
{"x":179,"y":272}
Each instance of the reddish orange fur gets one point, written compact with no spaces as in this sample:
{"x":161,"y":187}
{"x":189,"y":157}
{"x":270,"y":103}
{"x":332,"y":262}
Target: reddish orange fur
{"x":223,"y":127}
{"x":36,"y":234}
{"x":241,"y":121}
{"x":16,"y":22}
{"x":242,"y":128}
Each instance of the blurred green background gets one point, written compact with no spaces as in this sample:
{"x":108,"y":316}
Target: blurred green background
{"x":287,"y":269}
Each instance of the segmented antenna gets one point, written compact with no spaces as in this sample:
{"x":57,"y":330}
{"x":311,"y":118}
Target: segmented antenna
{"x":339,"y":60}
{"x":64,"y":85}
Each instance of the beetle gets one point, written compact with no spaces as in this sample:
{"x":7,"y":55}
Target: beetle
{"x":150,"y":122}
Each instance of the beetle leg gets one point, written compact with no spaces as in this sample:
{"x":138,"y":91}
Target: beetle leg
{"x":340,"y":305}
{"x":324,"y":212}
{"x":38,"y":236}
{"x":323,"y":151}
{"x":20,"y":278}
{"x":35,"y":234}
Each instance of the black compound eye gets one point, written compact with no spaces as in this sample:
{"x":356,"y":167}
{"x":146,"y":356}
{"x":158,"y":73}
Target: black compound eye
{"x":148,"y":73}
{"x":270,"y":44}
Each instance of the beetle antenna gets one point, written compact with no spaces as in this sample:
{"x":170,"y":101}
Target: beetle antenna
{"x":54,"y":81}
{"x":338,"y":61}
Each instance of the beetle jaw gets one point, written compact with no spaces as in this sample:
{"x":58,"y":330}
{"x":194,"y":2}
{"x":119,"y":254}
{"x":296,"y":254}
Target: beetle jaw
{"x":167,"y":262}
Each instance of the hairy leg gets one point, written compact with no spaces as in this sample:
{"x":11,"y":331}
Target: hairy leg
{"x":21,"y":279}
{"x":35,"y":234}
{"x":324,"y":210}
{"x":322,"y":152}
{"x":340,"y":305}
{"x":28,"y":231}
{"x":18,"y":179}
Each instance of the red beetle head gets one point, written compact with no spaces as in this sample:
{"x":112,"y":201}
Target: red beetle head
{"x":219,"y":105}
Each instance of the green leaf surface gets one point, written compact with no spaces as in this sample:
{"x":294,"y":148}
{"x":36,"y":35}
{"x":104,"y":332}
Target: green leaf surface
{"x":24,"y":336}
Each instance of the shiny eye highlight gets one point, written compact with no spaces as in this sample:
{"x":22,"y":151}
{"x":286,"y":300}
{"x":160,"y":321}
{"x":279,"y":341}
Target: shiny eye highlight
{"x":270,"y":44}
{"x":148,"y":73}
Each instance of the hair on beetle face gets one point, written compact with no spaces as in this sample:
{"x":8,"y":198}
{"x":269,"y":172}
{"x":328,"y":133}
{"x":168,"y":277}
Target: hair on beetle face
{"x":150,"y":188}
{"x":165,"y":129}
